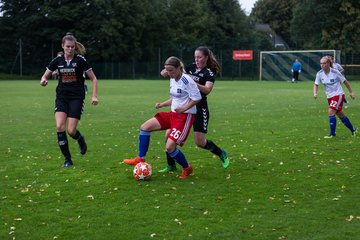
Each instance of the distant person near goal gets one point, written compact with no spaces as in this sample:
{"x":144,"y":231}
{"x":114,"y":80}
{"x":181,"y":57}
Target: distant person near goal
{"x":296,"y":70}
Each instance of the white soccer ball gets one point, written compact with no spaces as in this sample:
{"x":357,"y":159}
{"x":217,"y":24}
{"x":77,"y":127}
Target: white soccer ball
{"x":142,"y":171}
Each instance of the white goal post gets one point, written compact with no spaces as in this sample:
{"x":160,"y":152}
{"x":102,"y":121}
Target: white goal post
{"x":276,"y":65}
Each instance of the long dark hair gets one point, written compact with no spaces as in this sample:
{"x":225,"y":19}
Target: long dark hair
{"x":212,"y":62}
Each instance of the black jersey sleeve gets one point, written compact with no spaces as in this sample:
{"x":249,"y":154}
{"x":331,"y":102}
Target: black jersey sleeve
{"x":209,"y":75}
{"x":84,"y":65}
{"x":53,"y":64}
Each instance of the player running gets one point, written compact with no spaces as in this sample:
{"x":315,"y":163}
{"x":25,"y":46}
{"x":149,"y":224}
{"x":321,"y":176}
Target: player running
{"x":70,"y":94}
{"x":332,"y":79}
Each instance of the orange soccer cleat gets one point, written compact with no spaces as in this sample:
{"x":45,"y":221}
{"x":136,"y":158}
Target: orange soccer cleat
{"x":133,"y":161}
{"x":186,"y":172}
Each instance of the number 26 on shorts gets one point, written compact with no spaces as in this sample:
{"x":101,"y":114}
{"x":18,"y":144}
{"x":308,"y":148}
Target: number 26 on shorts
{"x":175,"y":133}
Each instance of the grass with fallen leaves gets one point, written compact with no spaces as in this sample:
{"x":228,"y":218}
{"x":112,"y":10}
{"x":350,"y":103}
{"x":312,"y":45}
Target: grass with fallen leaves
{"x":284,"y":182}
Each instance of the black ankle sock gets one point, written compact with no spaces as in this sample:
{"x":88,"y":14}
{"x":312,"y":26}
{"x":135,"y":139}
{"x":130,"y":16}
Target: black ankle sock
{"x":77,"y":135}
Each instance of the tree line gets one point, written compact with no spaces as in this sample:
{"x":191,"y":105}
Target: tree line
{"x":146,"y":30}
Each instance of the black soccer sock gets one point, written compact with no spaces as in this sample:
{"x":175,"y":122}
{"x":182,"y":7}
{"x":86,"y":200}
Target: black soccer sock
{"x":79,"y":138}
{"x":211,"y":146}
{"x":63,"y":144}
{"x":170,"y":160}
{"x":77,"y":135}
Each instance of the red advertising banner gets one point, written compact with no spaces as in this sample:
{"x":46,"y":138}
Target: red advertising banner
{"x":242,"y":55}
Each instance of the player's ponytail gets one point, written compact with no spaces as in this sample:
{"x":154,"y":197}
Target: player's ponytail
{"x":79,"y":48}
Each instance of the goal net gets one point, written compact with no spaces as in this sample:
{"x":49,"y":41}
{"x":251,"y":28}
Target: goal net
{"x":276,"y":65}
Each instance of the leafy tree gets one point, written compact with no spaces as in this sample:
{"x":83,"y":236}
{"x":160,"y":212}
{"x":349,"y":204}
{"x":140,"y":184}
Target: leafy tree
{"x":310,"y":18}
{"x":345,"y":27}
{"x":156,"y":34}
{"x":187,"y":25}
{"x":119,"y":29}
{"x":8,"y":45}
{"x":276,"y":13}
{"x":318,"y":24}
{"x":229,"y":26}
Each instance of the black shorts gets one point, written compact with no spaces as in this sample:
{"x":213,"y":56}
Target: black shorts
{"x":201,"y":118}
{"x":72,"y":107}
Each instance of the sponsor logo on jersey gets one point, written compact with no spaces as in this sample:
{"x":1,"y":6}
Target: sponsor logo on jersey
{"x":178,"y":90}
{"x":67,"y":70}
{"x":195,"y":78}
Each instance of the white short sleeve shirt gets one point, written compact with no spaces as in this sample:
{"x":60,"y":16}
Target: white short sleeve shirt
{"x":182,"y":91}
{"x":331,"y":81}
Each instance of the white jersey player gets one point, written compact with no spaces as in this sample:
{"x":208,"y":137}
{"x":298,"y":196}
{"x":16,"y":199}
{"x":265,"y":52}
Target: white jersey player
{"x":332,"y":79}
{"x":184,"y":95}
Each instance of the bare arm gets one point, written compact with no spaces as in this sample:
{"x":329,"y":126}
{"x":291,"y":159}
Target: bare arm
{"x":91,"y":75}
{"x":163,"y":104}
{"x":45,"y":77}
{"x":315,"y":90}
{"x":347,"y":84}
{"x":164,"y":73}
{"x":190,"y":104}
{"x":205,"y":89}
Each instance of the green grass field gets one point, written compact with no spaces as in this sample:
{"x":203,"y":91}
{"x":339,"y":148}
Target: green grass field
{"x":284,"y":182}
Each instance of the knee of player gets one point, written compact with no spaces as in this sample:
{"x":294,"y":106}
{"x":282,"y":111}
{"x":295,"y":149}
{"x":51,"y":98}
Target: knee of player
{"x":144,"y":127}
{"x":60,"y":127}
{"x":199,"y":144}
{"x":71,"y":131}
{"x":170,"y":146}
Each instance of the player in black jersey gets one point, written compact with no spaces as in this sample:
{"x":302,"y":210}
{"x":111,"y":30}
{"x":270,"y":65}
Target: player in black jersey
{"x":203,"y":71}
{"x":70,"y":93}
